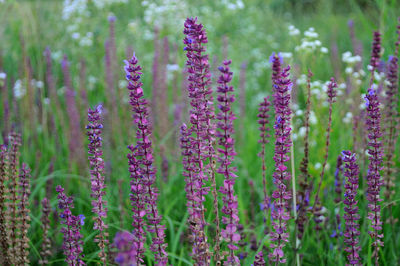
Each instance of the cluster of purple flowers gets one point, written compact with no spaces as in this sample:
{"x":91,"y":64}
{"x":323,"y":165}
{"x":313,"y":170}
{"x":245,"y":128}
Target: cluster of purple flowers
{"x":391,"y":102}
{"x":351,"y":210}
{"x":226,"y":142}
{"x":200,"y":134}
{"x":144,"y":194}
{"x":72,"y":244}
{"x":374,"y":179}
{"x":95,"y":151}
{"x":283,"y":142}
{"x":127,"y":249}
{"x":263,"y":120}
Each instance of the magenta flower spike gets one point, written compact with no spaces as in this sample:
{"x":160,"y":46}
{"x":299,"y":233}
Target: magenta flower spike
{"x":144,"y":193}
{"x":226,"y":150}
{"x":263,"y":120}
{"x":351,"y":210}
{"x":127,"y":249}
{"x":374,"y":179}
{"x":201,"y":133}
{"x":283,"y":142}
{"x":391,"y":124}
{"x":95,"y":151}
{"x":72,"y":244}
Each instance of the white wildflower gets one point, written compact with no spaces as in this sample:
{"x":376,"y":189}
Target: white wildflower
{"x":302,"y":131}
{"x":19,"y":90}
{"x":313,"y":118}
{"x":348,"y":70}
{"x":46,"y":101}
{"x":347,"y":118}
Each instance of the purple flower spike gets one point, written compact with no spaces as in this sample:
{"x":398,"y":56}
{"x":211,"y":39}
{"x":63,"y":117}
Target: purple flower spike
{"x":376,"y":50}
{"x":263,"y":120}
{"x":95,"y":151}
{"x":201,"y":135}
{"x":143,"y":174}
{"x":351,"y":210}
{"x":72,"y":244}
{"x":283,"y":143}
{"x":226,"y":142}
{"x":276,"y":67}
{"x":127,"y":248}
{"x":278,"y":55}
{"x":338,"y":181}
{"x":391,"y":113}
{"x":374,"y":179}
{"x":259,"y":259}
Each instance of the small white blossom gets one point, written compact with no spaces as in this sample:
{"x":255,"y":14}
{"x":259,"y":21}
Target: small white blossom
{"x":122,"y":84}
{"x":75,"y":35}
{"x":286,"y":55}
{"x":313,"y":118}
{"x":46,"y":101}
{"x":3,"y":75}
{"x":348,"y":117}
{"x":19,"y":90}
{"x":299,"y":112}
{"x":302,"y":131}
{"x":324,"y":50}
{"x":172,"y":67}
{"x":348,"y":70}
{"x":39,"y":84}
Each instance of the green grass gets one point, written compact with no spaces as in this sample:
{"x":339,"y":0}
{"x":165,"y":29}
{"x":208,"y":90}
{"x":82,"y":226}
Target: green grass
{"x":253,"y":34}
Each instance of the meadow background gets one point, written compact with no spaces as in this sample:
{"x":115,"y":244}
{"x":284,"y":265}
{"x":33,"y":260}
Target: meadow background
{"x":247,"y":32}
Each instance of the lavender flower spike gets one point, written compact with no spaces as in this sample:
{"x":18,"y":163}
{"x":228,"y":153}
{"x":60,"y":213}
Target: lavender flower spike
{"x":45,"y":253}
{"x":23,"y":213}
{"x":127,"y":252}
{"x":144,"y":193}
{"x":226,"y":142}
{"x":263,"y":120}
{"x":351,"y":210}
{"x":391,"y":102}
{"x":97,"y":179}
{"x":283,"y":143}
{"x":374,"y":178}
{"x":4,"y":164}
{"x":202,"y":130}
{"x":72,"y":244}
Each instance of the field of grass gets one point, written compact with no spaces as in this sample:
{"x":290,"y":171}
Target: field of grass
{"x":54,"y":143}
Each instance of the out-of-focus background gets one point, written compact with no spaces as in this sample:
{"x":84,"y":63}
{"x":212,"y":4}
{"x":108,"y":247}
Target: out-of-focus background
{"x":47,"y":103}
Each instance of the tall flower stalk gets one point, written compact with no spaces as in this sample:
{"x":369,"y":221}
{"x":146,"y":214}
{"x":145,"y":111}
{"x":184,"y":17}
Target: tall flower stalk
{"x":144,"y":193}
{"x":263,"y":120}
{"x":202,"y":131}
{"x":75,"y":136}
{"x":23,"y":215}
{"x":374,"y":179}
{"x":12,"y":208}
{"x":391,"y":115}
{"x":94,"y":130}
{"x":305,"y":188}
{"x":45,"y":253}
{"x":351,"y":210}
{"x":317,"y":203}
{"x":226,"y":150}
{"x":4,"y":167}
{"x":72,"y":244}
{"x":283,"y":142}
